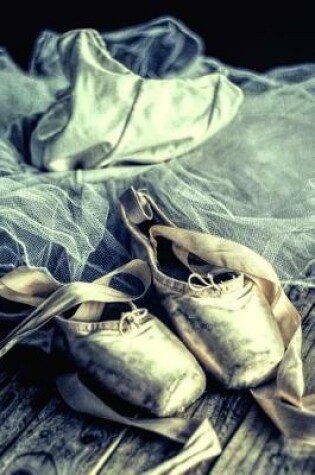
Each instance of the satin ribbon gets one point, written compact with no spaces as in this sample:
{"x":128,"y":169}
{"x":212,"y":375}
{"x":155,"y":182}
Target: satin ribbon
{"x":39,"y":289}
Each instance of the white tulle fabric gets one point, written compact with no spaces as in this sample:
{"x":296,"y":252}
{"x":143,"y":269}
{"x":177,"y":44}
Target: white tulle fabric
{"x":252,"y":181}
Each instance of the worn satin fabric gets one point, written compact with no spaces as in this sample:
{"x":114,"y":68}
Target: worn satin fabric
{"x":111,"y":115}
{"x":283,"y":399}
{"x":38,"y":288}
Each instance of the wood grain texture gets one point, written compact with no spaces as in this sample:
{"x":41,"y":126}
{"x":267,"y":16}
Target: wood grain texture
{"x":140,"y":451}
{"x":40,"y":435}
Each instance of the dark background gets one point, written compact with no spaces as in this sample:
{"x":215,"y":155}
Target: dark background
{"x":256,"y":36}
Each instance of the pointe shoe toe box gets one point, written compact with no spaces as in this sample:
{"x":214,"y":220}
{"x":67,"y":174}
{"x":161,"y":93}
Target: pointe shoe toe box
{"x":149,"y":367}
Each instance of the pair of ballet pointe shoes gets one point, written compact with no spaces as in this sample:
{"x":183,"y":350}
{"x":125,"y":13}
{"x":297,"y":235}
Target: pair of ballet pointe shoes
{"x":132,"y":354}
{"x":228,"y":314}
{"x":222,"y":320}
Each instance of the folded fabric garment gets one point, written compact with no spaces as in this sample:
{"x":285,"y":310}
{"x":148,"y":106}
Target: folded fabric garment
{"x":161,"y":48}
{"x":112,"y":115}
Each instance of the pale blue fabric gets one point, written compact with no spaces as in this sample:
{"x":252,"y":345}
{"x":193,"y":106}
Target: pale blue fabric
{"x":163,"y":47}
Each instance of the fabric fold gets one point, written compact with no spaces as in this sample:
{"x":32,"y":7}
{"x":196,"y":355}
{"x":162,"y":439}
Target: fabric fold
{"x":113,"y":115}
{"x":162,"y":47}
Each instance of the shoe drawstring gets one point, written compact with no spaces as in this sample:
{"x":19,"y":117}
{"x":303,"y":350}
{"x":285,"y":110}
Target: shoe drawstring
{"x":132,"y":318}
{"x":208,"y":283}
{"x":234,"y":300}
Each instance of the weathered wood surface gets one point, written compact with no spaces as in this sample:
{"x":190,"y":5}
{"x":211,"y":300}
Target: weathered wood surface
{"x":40,"y":435}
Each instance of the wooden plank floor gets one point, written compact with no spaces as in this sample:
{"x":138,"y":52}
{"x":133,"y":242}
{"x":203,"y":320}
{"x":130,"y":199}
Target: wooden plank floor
{"x":40,"y":435}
